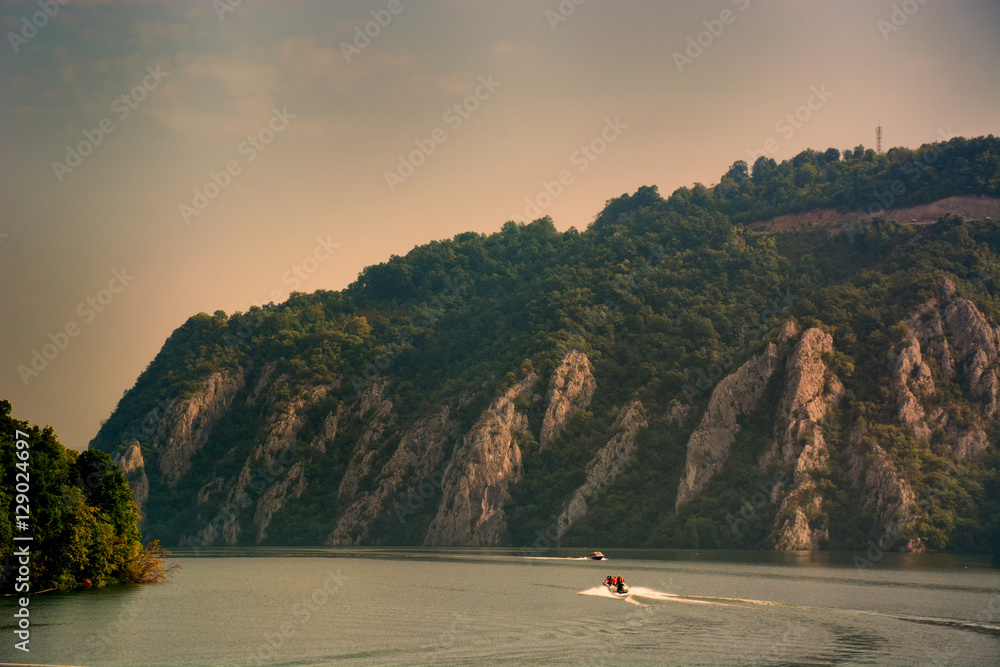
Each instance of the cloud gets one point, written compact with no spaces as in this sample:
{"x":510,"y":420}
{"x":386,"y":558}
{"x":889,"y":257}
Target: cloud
{"x":210,"y":96}
{"x":503,"y":48}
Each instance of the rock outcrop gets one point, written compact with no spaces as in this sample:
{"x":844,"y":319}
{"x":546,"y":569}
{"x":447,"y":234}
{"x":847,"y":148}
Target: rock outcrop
{"x":187,"y":423}
{"x":272,"y":474}
{"x":134,"y":469}
{"x":606,"y":466}
{"x":811,"y":392}
{"x":735,"y":395}
{"x":976,"y":345}
{"x":276,"y":497}
{"x":372,"y":406}
{"x":417,"y":463}
{"x":911,"y":379}
{"x":477,"y":481}
{"x":948,"y":338}
{"x":888,"y":495}
{"x":570,"y":390}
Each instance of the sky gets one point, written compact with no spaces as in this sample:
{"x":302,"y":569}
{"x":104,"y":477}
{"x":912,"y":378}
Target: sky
{"x":161,"y":159}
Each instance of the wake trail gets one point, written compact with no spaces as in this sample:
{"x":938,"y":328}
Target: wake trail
{"x":992,"y":629}
{"x":661,"y":596}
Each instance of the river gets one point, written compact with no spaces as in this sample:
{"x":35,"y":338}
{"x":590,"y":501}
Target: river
{"x":501,"y":607}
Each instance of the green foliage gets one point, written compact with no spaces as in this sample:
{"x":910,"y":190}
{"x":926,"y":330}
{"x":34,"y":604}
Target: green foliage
{"x":82,"y":516}
{"x":665,"y":296}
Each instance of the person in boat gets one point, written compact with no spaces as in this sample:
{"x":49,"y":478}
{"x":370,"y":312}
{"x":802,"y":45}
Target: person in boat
{"x":609,"y":580}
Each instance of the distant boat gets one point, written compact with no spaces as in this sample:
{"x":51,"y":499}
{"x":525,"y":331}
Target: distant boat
{"x":595,"y":555}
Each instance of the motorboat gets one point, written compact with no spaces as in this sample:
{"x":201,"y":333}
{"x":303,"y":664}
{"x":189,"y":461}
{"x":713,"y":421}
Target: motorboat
{"x":595,"y":555}
{"x":618,"y":589}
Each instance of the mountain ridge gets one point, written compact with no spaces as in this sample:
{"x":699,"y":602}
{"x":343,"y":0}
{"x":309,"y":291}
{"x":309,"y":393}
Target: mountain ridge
{"x":533,"y":387}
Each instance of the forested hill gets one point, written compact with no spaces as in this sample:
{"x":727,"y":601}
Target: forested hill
{"x":665,"y":377}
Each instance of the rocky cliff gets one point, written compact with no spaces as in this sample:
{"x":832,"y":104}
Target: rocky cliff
{"x":188,"y":423}
{"x":534,"y":387}
{"x":887,"y":494}
{"x":950,"y":339}
{"x":416,"y":467}
{"x":811,"y":392}
{"x":606,"y":466}
{"x":477,"y":481}
{"x":570,"y":390}
{"x":735,"y":395}
{"x":134,"y":468}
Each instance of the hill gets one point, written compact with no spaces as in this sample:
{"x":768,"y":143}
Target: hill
{"x":666,"y":377}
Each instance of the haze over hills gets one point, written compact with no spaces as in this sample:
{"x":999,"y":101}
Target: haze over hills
{"x":667,"y":377}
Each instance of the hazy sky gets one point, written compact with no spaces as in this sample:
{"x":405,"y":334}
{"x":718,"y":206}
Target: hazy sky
{"x":161,"y":159}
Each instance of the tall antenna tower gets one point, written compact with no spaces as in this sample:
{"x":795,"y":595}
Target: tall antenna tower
{"x":878,"y":139}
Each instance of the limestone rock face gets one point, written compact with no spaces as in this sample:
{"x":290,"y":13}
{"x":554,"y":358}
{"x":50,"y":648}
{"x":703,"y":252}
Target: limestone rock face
{"x":570,"y":390}
{"x":376,"y":409}
{"x":888,"y":494}
{"x":949,"y":338}
{"x":272,"y":474}
{"x":609,"y":462}
{"x":134,"y":468}
{"x":416,"y":465}
{"x":276,"y":497}
{"x":735,"y":395}
{"x":977,"y":347}
{"x":283,"y":428}
{"x":811,"y":392}
{"x":678,"y":412}
{"x":909,"y":378}
{"x":186,"y":424}
{"x":477,"y":481}
{"x":971,"y":445}
{"x":796,"y":533}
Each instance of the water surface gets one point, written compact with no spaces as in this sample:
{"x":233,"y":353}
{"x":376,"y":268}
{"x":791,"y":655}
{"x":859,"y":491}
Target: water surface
{"x":502,"y":607}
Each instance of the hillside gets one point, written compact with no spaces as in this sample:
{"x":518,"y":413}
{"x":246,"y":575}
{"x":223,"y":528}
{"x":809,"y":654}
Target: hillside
{"x":666,"y":377}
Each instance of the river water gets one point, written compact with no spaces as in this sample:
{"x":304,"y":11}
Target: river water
{"x":501,"y":607}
